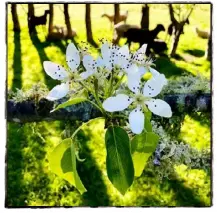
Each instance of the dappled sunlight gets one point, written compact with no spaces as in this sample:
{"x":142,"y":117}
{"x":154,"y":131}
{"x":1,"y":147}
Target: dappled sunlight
{"x":30,"y":181}
{"x":196,"y":134}
{"x":197,"y":180}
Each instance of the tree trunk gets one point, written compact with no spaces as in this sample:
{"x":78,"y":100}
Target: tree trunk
{"x":88,"y":26}
{"x":67,"y":21}
{"x":145,"y":17}
{"x":50,"y":27}
{"x":209,"y":49}
{"x":179,"y":27}
{"x":31,"y":12}
{"x":15,"y":18}
{"x":175,"y":43}
{"x":117,"y":13}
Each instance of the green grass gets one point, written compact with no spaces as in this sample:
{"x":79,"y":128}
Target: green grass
{"x":29,"y":180}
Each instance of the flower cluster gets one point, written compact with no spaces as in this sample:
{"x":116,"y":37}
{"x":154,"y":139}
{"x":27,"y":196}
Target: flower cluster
{"x":107,"y":72}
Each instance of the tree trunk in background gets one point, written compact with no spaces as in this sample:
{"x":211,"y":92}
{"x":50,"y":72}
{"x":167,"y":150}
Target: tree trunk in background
{"x":67,"y":21}
{"x":209,"y":49}
{"x":88,"y":26}
{"x":179,"y":27}
{"x":31,"y":12}
{"x":175,"y":43}
{"x":145,"y":17}
{"x":117,"y":13}
{"x":15,"y":18}
{"x":50,"y":27}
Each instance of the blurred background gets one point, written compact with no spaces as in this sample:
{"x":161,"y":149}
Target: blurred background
{"x":41,"y":32}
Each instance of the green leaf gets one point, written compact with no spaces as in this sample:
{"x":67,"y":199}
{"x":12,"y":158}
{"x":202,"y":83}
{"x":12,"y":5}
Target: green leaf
{"x":70,"y":102}
{"x":62,"y":162}
{"x":119,"y":162}
{"x":78,"y":183}
{"x":148,"y":126}
{"x":142,"y":147}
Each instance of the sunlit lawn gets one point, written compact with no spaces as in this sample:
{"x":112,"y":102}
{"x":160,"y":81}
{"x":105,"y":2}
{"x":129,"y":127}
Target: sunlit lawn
{"x":29,"y":181}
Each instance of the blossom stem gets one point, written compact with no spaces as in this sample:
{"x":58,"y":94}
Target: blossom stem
{"x":97,"y":106}
{"x":76,"y":131}
{"x":86,"y":87}
{"x":120,"y":116}
{"x":110,"y":84}
{"x":97,"y":97}
{"x":118,"y":83}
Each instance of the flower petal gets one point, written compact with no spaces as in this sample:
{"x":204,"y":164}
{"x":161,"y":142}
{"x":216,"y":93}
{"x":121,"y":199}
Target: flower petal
{"x":131,"y":68}
{"x":55,"y":71}
{"x":139,"y":55}
{"x":156,"y":75}
{"x":142,"y":49}
{"x":142,"y":70}
{"x":154,"y":72}
{"x":122,"y":56}
{"x":85,"y":75}
{"x":105,"y":50}
{"x":89,"y":63}
{"x":117,"y":103}
{"x":100,"y":62}
{"x":154,"y":86}
{"x":133,"y":81}
{"x":136,"y":120}
{"x":159,"y":107}
{"x":72,"y":56}
{"x":58,"y":92}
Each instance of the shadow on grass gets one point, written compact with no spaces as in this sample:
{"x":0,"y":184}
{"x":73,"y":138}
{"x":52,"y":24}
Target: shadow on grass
{"x":43,"y":57}
{"x":185,"y":196}
{"x":204,"y":118}
{"x":182,"y":195}
{"x":169,"y":68}
{"x":16,"y":194}
{"x":17,"y":63}
{"x":195,"y":52}
{"x":62,"y":44}
{"x":26,"y":179}
{"x":91,"y":176}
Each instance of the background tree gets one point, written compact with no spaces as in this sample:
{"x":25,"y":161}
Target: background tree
{"x":31,"y":12}
{"x":67,"y":21}
{"x":145,"y":17}
{"x":117,"y":13}
{"x":209,"y":49}
{"x":88,"y":26}
{"x":182,"y":13}
{"x":50,"y":26}
{"x":15,"y":17}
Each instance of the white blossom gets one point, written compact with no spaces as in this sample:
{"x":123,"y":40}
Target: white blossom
{"x":58,"y":72}
{"x":140,"y":98}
